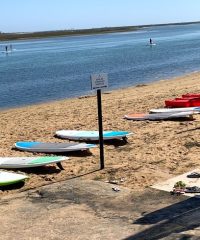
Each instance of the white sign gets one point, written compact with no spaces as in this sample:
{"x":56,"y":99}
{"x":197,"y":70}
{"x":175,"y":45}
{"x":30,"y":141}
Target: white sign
{"x":99,"y":81}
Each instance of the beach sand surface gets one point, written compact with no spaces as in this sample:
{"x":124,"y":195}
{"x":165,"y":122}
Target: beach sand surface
{"x":157,"y":151}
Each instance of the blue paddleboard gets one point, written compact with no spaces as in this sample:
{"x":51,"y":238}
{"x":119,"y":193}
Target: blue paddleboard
{"x":52,"y":147}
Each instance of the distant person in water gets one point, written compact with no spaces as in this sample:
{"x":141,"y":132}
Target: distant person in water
{"x":6,"y":48}
{"x":150,"y":41}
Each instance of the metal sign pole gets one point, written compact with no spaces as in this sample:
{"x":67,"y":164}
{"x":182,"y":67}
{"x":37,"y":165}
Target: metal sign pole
{"x":99,"y":81}
{"x":100,"y":129}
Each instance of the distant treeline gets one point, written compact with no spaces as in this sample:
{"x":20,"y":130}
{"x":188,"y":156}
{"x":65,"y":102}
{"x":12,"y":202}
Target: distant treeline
{"x":45,"y":34}
{"x":14,"y":36}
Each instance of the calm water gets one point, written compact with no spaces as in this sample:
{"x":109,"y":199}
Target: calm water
{"x":57,"y":68}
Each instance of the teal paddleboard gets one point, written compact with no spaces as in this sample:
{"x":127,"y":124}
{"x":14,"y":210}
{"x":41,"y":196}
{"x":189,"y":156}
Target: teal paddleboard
{"x":91,"y":135}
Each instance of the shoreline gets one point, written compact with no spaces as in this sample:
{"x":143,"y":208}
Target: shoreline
{"x":155,"y":152}
{"x":104,"y":91}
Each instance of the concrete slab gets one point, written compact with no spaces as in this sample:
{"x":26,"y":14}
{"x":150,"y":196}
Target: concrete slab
{"x":190,"y":182}
{"x":85,"y":209}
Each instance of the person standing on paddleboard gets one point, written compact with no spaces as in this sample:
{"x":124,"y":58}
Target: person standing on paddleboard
{"x":150,"y":41}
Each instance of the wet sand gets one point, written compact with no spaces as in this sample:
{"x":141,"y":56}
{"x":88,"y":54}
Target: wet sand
{"x":155,"y":152}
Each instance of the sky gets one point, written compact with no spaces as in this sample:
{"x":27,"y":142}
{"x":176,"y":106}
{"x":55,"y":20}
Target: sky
{"x":45,"y":15}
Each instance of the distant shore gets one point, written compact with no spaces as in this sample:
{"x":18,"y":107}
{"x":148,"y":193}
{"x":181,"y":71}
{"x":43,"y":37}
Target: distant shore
{"x":74,"y":32}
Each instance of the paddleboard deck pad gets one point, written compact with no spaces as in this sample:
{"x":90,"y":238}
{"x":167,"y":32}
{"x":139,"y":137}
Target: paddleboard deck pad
{"x":91,"y":135}
{"x":28,"y":162}
{"x":52,"y":147}
{"x":158,"y":116}
{"x":7,"y":178}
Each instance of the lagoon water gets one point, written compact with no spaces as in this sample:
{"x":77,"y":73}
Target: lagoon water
{"x":56,"y":68}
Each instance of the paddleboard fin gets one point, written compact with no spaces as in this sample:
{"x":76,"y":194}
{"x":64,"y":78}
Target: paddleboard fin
{"x":60,"y":166}
{"x":125,"y":139}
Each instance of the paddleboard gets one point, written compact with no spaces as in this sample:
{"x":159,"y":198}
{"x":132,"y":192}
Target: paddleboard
{"x":6,"y":52}
{"x":158,"y":116}
{"x":52,"y":147}
{"x":151,"y":44}
{"x":7,"y":178}
{"x":173,"y":110}
{"x":91,"y":135}
{"x":28,"y":162}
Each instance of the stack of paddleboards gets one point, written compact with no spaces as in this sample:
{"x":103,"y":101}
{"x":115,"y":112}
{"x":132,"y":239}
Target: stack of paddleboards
{"x":190,"y":105}
{"x":159,"y":116}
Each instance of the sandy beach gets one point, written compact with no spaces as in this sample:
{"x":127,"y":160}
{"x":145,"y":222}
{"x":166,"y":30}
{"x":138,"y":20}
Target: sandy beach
{"x":155,"y":152}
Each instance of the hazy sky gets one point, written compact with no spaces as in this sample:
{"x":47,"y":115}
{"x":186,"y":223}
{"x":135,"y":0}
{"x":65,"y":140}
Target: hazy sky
{"x":39,"y":15}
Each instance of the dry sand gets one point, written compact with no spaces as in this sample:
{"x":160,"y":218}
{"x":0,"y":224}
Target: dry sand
{"x":155,"y":152}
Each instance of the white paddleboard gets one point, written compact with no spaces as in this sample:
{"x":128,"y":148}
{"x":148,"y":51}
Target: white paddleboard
{"x":159,"y":116}
{"x":52,"y":147}
{"x":28,"y":162}
{"x":151,"y":44}
{"x":91,"y":135}
{"x":6,"y":52}
{"x":173,"y":110}
{"x":7,"y":178}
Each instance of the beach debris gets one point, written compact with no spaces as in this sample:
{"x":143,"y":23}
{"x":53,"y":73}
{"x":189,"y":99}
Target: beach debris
{"x":179,"y":188}
{"x":115,"y":181}
{"x":36,"y":194}
{"x":116,"y":189}
{"x":122,"y":180}
{"x":107,"y":92}
{"x":193,"y":189}
{"x":112,"y":181}
{"x":194,"y":175}
{"x":141,"y":85}
{"x":180,"y":184}
{"x":177,"y":191}
{"x":86,"y":96}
